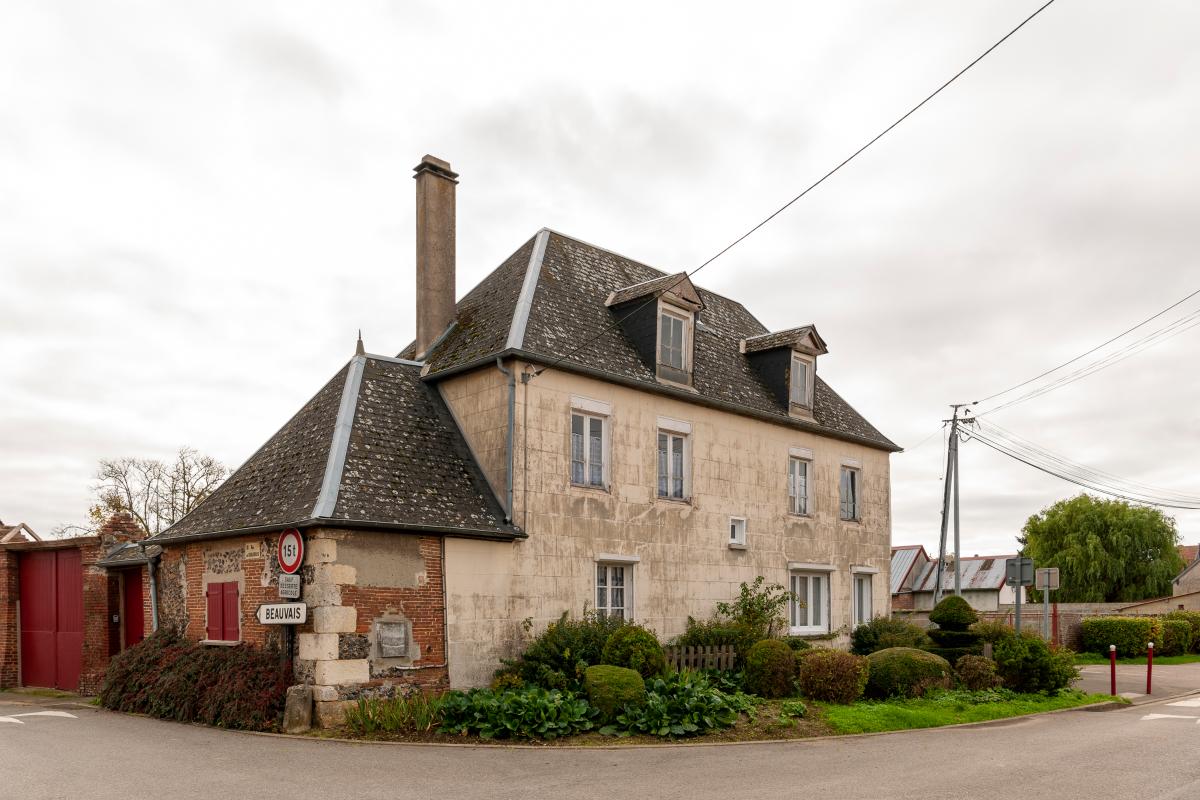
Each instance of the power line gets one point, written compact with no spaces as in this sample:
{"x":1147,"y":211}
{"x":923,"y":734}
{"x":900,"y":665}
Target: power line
{"x":1089,"y":352}
{"x":814,"y":185}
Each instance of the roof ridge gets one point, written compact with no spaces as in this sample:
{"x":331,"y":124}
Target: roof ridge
{"x":340,"y":441}
{"x":524,"y":304}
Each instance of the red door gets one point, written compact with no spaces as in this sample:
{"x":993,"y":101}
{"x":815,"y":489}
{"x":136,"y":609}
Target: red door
{"x":135,"y":627}
{"x":51,"y":585}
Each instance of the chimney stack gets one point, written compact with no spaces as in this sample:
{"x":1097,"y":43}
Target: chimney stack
{"x":435,"y":250}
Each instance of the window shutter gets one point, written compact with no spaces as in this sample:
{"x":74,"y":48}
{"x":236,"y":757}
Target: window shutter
{"x":213,"y":595}
{"x":229,"y":627}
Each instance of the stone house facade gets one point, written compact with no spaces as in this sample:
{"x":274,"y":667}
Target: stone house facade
{"x":578,"y":432}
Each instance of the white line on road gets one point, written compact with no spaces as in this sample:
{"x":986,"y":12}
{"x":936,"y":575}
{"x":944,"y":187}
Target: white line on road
{"x":10,"y":719}
{"x":1168,"y":716}
{"x":1193,"y":703}
{"x":47,"y":714}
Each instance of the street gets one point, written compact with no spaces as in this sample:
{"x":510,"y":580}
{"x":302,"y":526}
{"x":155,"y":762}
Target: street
{"x":1145,"y":751}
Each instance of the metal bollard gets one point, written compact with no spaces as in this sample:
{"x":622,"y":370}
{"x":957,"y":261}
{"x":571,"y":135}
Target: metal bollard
{"x":1149,"y":665}
{"x":1112,"y":661}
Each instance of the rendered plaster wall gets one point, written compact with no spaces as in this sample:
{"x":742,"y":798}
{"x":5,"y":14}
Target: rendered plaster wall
{"x":478,"y":401}
{"x":683,"y":562}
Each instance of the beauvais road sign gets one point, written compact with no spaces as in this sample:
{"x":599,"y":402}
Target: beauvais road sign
{"x":283,"y":613}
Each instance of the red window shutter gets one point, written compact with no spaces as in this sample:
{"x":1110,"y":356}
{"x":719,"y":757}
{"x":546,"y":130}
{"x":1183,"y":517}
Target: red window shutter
{"x":213,"y":594}
{"x":230,"y":632}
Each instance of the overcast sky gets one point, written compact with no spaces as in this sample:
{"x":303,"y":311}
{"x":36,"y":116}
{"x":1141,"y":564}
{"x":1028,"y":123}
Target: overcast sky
{"x":200,"y":204}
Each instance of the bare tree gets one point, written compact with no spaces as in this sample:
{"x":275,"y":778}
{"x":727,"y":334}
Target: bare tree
{"x":158,"y":494}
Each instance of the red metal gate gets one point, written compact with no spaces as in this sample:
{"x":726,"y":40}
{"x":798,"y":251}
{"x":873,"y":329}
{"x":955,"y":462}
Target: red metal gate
{"x":135,"y":627}
{"x":51,"y":592}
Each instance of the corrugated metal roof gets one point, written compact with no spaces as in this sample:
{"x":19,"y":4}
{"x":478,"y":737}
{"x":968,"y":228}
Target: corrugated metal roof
{"x":902,"y":561}
{"x":978,"y":573}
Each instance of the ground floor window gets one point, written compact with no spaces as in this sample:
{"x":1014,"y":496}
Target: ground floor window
{"x":222,"y":601}
{"x":810,"y":603}
{"x":614,"y":590}
{"x":862,"y":599}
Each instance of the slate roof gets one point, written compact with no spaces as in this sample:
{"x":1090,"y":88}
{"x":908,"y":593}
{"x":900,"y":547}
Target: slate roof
{"x":127,"y":554}
{"x":770,"y":341}
{"x":375,"y":447}
{"x":566,"y":294}
{"x":644,"y":289}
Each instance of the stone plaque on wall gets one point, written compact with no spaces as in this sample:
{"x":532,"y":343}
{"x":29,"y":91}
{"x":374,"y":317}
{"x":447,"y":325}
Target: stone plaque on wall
{"x":393,"y":639}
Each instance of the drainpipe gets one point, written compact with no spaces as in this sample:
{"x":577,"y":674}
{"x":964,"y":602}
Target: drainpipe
{"x":153,"y":552}
{"x":512,"y":411}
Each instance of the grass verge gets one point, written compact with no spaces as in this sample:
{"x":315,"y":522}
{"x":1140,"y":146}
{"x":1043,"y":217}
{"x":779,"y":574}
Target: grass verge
{"x":1094,"y":658}
{"x":952,"y":708}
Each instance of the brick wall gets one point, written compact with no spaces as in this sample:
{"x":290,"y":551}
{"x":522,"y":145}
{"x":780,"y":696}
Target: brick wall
{"x":902,"y":601}
{"x":8,"y":618}
{"x":101,"y":636}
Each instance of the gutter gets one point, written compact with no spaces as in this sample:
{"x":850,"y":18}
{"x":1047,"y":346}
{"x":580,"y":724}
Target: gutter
{"x":512,"y":410}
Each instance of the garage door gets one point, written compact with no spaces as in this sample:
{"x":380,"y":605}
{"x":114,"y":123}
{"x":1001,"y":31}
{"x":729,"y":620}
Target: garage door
{"x":51,"y":586}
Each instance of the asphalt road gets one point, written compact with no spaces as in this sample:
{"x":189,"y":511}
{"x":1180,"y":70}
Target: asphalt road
{"x":1143,"y":752}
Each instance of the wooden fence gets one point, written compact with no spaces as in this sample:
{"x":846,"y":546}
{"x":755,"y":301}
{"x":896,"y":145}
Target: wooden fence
{"x":709,"y":657}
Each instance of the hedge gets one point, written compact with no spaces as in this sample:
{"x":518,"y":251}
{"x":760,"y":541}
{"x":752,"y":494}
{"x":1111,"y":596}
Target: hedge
{"x":833,"y":675}
{"x":1129,"y":634}
{"x":1176,"y":638}
{"x":1192,"y":618}
{"x":905,"y":672}
{"x":770,"y":667}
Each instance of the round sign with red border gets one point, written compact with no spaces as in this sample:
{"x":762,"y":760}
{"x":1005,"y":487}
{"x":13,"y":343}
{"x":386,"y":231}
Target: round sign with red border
{"x":291,"y":551}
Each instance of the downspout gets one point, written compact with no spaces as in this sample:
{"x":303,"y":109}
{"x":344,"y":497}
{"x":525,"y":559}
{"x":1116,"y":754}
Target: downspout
{"x":512,"y":412}
{"x":152,"y":569}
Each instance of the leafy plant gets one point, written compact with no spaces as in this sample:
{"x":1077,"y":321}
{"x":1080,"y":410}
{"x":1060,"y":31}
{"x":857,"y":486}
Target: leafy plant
{"x":833,"y":676}
{"x":1027,"y":664}
{"x":993,"y":631}
{"x":420,"y":713}
{"x":760,"y":605}
{"x":636,"y":648}
{"x":1192,"y":618}
{"x":905,"y":672}
{"x":1129,"y":634}
{"x":884,"y":632}
{"x":682,"y":704}
{"x":1176,"y":637}
{"x":792,"y":709}
{"x":530,"y":713}
{"x":770,"y":667}
{"x":557,"y":657}
{"x":611,"y":688}
{"x":977,"y":673}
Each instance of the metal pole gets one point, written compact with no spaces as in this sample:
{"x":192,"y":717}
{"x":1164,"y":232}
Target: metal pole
{"x":937,"y":587}
{"x":1112,"y":662}
{"x":1020,"y":591}
{"x":1046,"y":608}
{"x":957,"y":551}
{"x":1149,"y":665}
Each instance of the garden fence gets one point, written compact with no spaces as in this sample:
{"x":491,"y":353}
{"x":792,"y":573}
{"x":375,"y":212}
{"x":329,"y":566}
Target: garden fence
{"x":705,"y":657}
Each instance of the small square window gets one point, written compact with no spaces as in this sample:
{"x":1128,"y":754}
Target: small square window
{"x":737,"y":532}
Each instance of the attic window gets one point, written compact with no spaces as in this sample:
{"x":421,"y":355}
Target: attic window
{"x":674,"y":344}
{"x":801,"y":390}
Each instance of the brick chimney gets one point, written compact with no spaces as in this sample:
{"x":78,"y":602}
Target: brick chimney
{"x":435,"y":250}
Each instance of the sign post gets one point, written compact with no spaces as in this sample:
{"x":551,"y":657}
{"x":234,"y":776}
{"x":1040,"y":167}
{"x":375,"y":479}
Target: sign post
{"x":1046,"y":581}
{"x":1019,"y":573}
{"x":290,"y":555}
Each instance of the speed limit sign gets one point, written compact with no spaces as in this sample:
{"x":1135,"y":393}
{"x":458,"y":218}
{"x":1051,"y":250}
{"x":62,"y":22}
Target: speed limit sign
{"x":291,"y":551}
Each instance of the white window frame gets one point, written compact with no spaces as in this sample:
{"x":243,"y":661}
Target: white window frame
{"x":737,"y":532}
{"x":856,"y":508}
{"x":685,"y":469}
{"x":810,"y":372}
{"x":687,"y":320}
{"x":802,"y":607}
{"x":799,"y":505}
{"x":861,"y":615}
{"x":603,"y":580}
{"x":587,"y":415}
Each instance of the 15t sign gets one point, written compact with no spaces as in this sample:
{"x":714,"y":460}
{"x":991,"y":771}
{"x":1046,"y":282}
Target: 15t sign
{"x":291,"y":551}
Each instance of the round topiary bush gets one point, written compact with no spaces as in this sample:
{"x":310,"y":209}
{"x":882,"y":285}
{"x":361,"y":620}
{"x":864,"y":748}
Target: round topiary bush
{"x":884,"y":632}
{"x":611,"y":689}
{"x":977,"y":673}
{"x":770,"y":666}
{"x":953,"y":614}
{"x":834,"y":676}
{"x":636,"y":648}
{"x":905,"y":672}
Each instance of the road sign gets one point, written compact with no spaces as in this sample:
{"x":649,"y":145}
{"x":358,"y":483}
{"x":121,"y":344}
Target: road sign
{"x":1019,"y":571}
{"x":289,"y":587}
{"x":283,"y":613}
{"x":291,"y":551}
{"x":1047,"y":578}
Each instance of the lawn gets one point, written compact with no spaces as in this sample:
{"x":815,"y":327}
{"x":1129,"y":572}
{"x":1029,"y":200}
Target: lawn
{"x":1094,"y":658}
{"x":951,"y":708}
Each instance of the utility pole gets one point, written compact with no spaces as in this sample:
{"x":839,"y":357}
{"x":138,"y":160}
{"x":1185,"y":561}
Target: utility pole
{"x":951,"y":486}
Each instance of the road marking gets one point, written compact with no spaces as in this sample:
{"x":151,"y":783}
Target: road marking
{"x":1168,"y":716}
{"x":47,"y":714}
{"x":10,"y":719}
{"x":1194,"y":703}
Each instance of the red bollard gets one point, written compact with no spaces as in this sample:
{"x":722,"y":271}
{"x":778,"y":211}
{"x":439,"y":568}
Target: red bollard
{"x":1149,"y":665}
{"x":1112,"y":660}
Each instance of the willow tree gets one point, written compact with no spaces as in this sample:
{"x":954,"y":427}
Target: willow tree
{"x":1105,"y":550}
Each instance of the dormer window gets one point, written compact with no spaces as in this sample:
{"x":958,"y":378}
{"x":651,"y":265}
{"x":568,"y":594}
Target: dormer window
{"x":801,"y":381}
{"x":674,"y":344}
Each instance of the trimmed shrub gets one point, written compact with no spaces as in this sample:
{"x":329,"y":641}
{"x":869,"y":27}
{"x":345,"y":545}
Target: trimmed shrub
{"x":796,"y":643}
{"x":1192,"y":618}
{"x":953,"y":614}
{"x":994,"y":632}
{"x":1027,"y":664}
{"x":977,"y":673}
{"x":611,"y":689}
{"x":1176,"y":637}
{"x":635,"y":648}
{"x":882,"y":633}
{"x":557,"y":658}
{"x":905,"y":672}
{"x":530,"y":713}
{"x":1129,"y":634}
{"x":169,"y":677}
{"x":833,"y":675}
{"x":716,"y":633}
{"x":770,"y":667}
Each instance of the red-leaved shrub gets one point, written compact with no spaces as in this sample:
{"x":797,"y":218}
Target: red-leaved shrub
{"x":834,"y":676}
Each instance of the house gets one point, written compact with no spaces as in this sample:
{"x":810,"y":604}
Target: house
{"x":579,"y":431}
{"x":914,"y":578}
